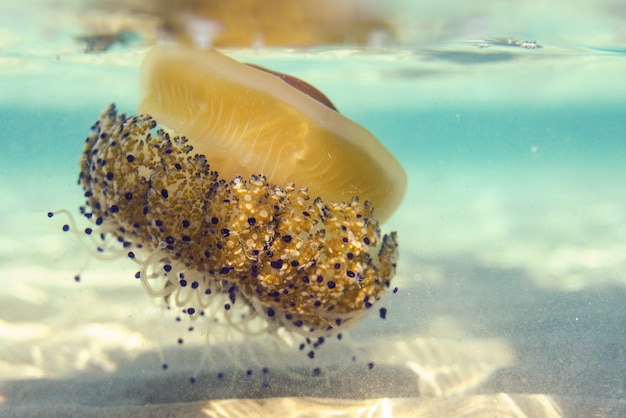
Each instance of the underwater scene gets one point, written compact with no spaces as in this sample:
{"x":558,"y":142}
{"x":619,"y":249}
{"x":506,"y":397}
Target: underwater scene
{"x":362,"y":208}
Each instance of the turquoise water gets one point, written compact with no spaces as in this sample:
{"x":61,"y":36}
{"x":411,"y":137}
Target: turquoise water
{"x":512,"y":237}
{"x":451,"y":136}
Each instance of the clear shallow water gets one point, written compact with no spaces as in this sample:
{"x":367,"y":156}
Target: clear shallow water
{"x":513,"y":239}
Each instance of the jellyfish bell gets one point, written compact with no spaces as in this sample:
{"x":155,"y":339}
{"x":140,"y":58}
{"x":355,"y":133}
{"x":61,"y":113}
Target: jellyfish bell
{"x":251,"y":121}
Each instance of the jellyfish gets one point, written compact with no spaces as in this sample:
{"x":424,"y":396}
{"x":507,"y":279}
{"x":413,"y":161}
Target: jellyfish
{"x":241,"y":190}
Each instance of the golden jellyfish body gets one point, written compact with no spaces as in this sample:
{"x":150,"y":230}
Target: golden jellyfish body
{"x":235,"y":189}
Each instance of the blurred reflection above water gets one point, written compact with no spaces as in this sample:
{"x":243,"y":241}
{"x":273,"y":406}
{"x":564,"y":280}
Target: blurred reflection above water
{"x":250,"y":23}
